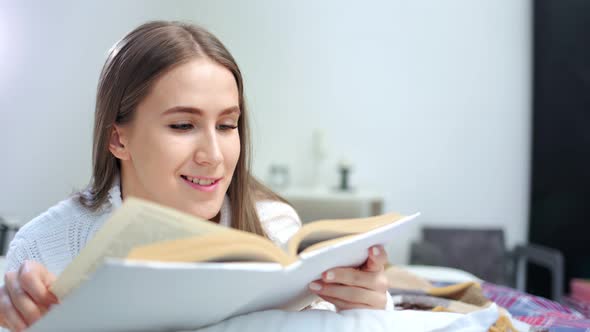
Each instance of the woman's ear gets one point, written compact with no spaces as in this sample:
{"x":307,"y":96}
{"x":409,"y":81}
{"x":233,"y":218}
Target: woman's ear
{"x":118,"y":143}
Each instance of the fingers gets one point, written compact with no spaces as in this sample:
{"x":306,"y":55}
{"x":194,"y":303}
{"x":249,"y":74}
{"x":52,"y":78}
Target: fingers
{"x":377,"y":259}
{"x":363,"y":287}
{"x":21,"y":301}
{"x":9,"y":316}
{"x":25,"y":295}
{"x":376,"y":281}
{"x":35,"y":280}
{"x":354,"y":295}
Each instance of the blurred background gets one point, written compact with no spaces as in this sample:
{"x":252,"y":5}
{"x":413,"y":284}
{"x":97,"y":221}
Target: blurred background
{"x":474,"y":113}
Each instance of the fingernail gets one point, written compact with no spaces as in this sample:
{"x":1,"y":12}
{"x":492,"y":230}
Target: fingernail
{"x":376,"y":251}
{"x":330,"y":275}
{"x":315,"y":286}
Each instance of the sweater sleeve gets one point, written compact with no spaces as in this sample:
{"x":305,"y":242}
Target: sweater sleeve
{"x":17,"y":253}
{"x":279,"y":220}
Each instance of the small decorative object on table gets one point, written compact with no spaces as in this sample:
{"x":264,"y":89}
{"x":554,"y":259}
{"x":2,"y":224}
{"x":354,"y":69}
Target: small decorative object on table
{"x":344,"y":168}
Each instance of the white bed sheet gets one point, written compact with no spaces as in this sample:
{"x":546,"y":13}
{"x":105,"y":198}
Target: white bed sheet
{"x":358,"y":320}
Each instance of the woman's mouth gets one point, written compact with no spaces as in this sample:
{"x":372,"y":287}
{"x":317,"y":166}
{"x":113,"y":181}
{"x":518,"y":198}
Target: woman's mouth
{"x":202,"y":184}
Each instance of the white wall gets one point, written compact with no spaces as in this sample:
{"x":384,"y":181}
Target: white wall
{"x":429,"y":99}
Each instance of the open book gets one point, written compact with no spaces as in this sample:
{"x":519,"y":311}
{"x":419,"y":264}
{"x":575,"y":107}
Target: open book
{"x":153,"y":268}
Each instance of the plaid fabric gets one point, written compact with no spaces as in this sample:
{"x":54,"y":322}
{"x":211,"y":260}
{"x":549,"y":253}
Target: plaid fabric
{"x":542,"y":314}
{"x":578,"y":304}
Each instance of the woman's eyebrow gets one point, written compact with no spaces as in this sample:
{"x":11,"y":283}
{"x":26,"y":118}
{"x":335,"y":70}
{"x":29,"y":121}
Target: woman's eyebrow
{"x":198,"y":111}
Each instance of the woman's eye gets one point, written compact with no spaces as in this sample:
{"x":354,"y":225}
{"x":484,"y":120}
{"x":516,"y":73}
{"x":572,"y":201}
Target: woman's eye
{"x":189,"y":126}
{"x":182,"y":126}
{"x":226,"y":127}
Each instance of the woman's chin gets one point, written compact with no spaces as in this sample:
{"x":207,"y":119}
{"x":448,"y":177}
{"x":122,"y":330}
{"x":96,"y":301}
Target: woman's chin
{"x":206,"y":214}
{"x":206,"y":210}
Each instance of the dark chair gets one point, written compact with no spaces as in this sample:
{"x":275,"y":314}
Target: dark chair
{"x":483,"y":253}
{"x":7,"y":231}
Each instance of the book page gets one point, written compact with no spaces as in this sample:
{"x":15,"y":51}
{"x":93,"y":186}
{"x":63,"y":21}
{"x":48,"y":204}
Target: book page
{"x":330,"y":230}
{"x":229,"y":246}
{"x":136,"y":222}
{"x":153,"y":296}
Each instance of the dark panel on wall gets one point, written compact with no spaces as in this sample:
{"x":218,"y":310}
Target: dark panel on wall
{"x":560,"y":197}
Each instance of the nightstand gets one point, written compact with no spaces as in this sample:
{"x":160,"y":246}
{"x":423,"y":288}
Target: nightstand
{"x":325,"y":203}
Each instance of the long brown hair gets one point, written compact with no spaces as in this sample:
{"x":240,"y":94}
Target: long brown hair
{"x":132,"y":66}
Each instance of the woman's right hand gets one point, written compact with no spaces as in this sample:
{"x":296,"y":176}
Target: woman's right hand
{"x":25,"y":296}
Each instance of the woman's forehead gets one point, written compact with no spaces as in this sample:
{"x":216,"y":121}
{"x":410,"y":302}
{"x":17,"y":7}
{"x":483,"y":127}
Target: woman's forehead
{"x":199,"y":84}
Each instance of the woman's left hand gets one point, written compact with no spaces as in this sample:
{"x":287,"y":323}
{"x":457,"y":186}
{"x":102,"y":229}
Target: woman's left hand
{"x":354,"y":288}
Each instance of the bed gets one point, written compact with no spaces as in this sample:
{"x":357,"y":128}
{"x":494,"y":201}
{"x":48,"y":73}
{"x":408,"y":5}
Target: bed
{"x":538,"y":313}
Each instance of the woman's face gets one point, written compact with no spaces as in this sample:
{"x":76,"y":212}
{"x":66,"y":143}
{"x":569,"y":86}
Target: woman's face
{"x":182,"y":146}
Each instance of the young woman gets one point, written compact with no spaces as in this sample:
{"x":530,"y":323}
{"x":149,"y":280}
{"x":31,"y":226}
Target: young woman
{"x":171,"y":127}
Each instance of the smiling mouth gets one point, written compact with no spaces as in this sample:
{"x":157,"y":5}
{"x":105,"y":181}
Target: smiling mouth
{"x":200,"y":182}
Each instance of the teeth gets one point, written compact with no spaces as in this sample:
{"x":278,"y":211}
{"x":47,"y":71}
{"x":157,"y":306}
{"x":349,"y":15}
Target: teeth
{"x":201,"y":182}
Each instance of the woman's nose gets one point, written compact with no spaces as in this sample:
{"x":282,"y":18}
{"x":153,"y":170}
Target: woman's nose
{"x":209,"y":150}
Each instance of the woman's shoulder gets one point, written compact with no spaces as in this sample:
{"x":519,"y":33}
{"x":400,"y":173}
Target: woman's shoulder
{"x":272,"y":210}
{"x":279,"y":220}
{"x":53,"y":237}
{"x":57,"y":220}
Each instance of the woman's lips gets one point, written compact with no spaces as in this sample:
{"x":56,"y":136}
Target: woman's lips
{"x":206,"y":188}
